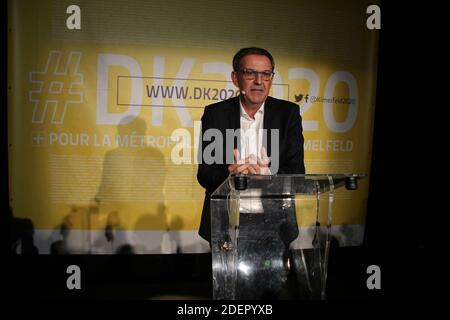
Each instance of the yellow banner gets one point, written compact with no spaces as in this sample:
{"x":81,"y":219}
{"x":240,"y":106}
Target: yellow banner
{"x":94,"y":101}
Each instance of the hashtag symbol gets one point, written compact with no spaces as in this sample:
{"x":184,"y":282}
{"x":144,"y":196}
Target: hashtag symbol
{"x":55,"y":88}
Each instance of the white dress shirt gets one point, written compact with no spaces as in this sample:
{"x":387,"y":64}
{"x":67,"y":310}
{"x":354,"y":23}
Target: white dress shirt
{"x":251,"y":133}
{"x":251,"y":144}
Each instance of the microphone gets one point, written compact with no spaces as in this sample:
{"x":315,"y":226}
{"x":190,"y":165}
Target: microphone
{"x":243,"y":92}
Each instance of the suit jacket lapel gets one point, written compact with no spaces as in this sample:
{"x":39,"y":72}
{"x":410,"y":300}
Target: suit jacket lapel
{"x":234,"y":120}
{"x":268,"y":124}
{"x":235,"y":114}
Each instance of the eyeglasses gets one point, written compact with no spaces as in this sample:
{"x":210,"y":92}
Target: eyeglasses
{"x":250,"y":74}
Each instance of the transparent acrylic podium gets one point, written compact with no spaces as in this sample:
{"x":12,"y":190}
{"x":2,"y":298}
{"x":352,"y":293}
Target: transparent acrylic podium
{"x":258,"y":249}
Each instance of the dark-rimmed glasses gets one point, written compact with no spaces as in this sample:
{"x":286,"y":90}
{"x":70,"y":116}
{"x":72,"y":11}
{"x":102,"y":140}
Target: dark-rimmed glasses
{"x":251,"y":74}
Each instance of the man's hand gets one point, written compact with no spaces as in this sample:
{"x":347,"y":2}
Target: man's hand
{"x":264,"y":162}
{"x":251,"y":165}
{"x":239,"y":166}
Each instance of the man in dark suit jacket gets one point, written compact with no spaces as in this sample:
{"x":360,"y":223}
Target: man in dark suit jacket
{"x":253,"y":75}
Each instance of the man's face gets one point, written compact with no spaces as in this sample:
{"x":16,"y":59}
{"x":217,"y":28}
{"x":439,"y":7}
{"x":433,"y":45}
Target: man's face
{"x":257,"y":89}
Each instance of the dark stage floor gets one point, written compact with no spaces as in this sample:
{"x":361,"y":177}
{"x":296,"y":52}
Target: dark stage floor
{"x":405,"y":273}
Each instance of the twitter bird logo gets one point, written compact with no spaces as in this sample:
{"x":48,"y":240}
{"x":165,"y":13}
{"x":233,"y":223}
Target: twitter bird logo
{"x":299,"y":97}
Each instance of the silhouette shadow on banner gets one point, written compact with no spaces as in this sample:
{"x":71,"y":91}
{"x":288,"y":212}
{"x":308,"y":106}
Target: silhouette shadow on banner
{"x":21,"y":235}
{"x":129,"y":201}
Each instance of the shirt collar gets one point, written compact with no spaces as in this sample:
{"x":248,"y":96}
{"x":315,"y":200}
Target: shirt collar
{"x":245,"y":115}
